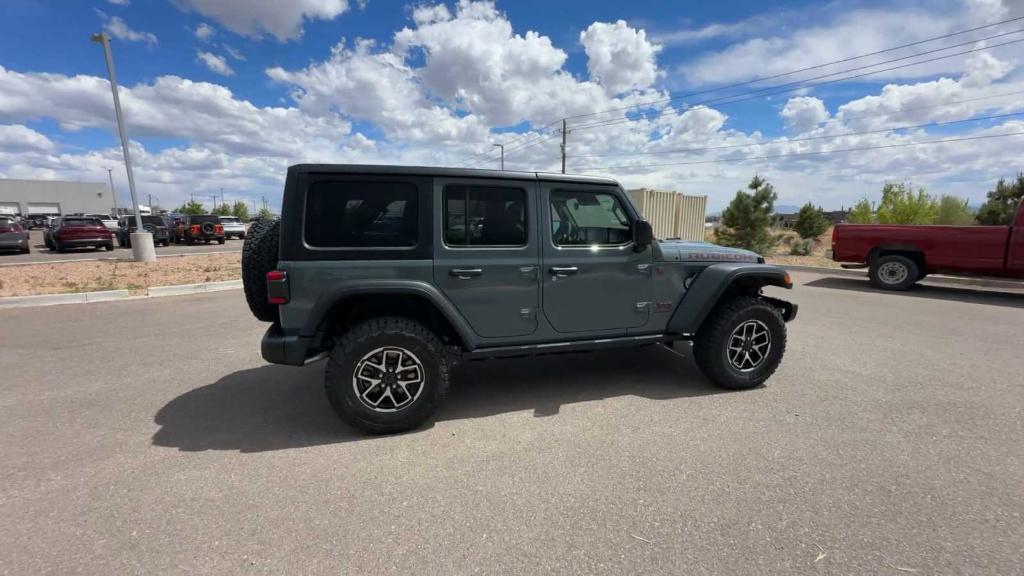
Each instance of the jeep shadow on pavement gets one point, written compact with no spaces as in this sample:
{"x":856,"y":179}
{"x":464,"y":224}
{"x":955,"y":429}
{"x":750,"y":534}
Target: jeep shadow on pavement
{"x":398,"y":274}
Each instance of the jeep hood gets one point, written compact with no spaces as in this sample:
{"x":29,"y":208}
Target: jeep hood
{"x":680,"y":251}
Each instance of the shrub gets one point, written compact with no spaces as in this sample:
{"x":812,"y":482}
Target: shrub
{"x":745,"y":222}
{"x":810,"y":222}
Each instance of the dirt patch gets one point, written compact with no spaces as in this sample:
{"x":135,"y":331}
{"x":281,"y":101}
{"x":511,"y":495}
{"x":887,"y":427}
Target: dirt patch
{"x":787,"y":238}
{"x":91,"y":276}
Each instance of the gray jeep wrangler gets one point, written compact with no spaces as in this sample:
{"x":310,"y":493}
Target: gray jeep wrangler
{"x":396,"y":274}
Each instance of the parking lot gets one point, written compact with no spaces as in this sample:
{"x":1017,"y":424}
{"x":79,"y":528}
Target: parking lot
{"x":40,"y":253}
{"x":149,"y":437}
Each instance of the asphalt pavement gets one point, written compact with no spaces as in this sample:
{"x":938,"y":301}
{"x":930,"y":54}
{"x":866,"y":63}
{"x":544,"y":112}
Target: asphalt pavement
{"x":40,"y":253}
{"x":148,"y":437}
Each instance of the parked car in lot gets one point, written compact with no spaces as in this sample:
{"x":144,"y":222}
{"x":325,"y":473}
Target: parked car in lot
{"x":13,"y":235}
{"x":899,"y":256}
{"x":155,"y":225}
{"x":233,"y":226}
{"x":38,"y":220}
{"x":109,"y":221}
{"x":48,"y":232}
{"x":79,"y":232}
{"x":396,"y":274}
{"x":200,"y":228}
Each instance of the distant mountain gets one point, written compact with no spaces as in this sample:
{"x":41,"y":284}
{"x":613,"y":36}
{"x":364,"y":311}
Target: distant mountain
{"x":786,"y":209}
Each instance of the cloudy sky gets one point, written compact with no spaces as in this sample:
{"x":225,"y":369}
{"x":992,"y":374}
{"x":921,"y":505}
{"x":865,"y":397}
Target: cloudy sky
{"x":695,"y":98}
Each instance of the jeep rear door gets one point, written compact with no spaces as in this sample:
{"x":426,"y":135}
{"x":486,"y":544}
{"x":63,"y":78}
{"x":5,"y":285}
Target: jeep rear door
{"x":593,"y":279}
{"x":485,"y":253}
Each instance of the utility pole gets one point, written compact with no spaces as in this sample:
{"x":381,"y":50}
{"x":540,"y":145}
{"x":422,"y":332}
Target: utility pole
{"x":502,"y":146}
{"x":214,"y":211}
{"x":150,"y":196}
{"x":113,"y":192}
{"x":222,"y":195}
{"x":142,"y":242}
{"x":564,"y":132}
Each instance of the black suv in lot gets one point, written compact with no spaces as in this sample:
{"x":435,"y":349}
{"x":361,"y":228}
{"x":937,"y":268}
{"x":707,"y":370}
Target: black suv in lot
{"x":155,"y":225}
{"x":396,"y":274}
{"x":202,"y":228}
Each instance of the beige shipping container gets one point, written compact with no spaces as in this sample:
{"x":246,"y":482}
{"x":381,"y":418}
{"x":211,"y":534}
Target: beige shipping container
{"x":672,"y":215}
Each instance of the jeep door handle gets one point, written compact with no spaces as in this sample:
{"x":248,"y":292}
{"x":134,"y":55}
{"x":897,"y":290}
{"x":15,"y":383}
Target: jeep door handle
{"x":563,"y":271}
{"x":466,"y":273}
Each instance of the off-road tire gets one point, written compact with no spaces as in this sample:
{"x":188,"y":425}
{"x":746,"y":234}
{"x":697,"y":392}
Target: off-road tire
{"x":190,"y":241}
{"x":386,"y":332}
{"x":259,"y":256}
{"x":220,"y":240}
{"x":109,"y":247}
{"x":241,"y":236}
{"x":710,"y":347}
{"x":910,"y":275}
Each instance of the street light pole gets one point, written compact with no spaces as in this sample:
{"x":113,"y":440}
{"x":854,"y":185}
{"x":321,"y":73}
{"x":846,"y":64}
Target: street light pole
{"x":142,"y":242}
{"x":113,"y":192}
{"x":502,"y":146}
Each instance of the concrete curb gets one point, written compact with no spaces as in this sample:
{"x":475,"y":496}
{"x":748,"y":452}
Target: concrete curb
{"x":108,"y":295}
{"x":53,"y":299}
{"x":934,"y":279}
{"x":183,"y":289}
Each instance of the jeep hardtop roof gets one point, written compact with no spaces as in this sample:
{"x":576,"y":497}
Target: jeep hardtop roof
{"x":383,"y":169}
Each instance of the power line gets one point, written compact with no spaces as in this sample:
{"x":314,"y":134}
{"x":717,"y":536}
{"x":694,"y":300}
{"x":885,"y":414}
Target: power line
{"x":537,"y":137}
{"x":806,"y":139}
{"x":790,"y":73}
{"x":798,"y":85}
{"x":817,"y":153}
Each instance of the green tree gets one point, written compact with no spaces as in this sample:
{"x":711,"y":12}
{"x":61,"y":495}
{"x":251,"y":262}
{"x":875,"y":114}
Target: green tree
{"x":900,"y":205}
{"x":1002,"y":202}
{"x":954,"y":211}
{"x":810,"y":222}
{"x":265,"y":213}
{"x":223,"y":210}
{"x":745,"y":222}
{"x":240,"y":210}
{"x":862,"y":213}
{"x":192,"y":207}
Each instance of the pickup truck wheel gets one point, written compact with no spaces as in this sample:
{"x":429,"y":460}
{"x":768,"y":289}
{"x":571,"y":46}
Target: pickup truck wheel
{"x":259,"y":256}
{"x":741,"y":343}
{"x":387,"y":375}
{"x":894,"y":272}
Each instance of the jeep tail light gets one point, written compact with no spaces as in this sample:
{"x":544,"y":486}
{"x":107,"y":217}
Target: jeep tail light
{"x":195,"y":228}
{"x":277,"y":287}
{"x":219,"y":229}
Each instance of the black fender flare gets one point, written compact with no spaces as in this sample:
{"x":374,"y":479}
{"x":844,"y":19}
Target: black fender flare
{"x":341,"y":291}
{"x":711,"y":284}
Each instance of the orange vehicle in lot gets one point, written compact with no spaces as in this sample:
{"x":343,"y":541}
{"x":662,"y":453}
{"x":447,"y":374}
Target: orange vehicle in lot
{"x":898,"y":256}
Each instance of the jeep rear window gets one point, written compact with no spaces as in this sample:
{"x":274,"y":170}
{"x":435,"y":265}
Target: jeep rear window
{"x":361,"y":215}
{"x":201,"y":219}
{"x":484,"y":216}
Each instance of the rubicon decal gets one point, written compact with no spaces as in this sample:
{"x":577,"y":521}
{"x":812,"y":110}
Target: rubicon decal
{"x":721,"y":256}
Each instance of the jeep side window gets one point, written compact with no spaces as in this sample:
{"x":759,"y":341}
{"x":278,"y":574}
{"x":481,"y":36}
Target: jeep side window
{"x":580,"y":218}
{"x":361,"y":214}
{"x":484,"y":216}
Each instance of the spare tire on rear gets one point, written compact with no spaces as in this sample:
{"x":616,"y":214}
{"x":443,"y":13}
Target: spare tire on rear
{"x":259,"y":256}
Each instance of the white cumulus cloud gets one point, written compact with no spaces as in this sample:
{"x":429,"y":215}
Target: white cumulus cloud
{"x":619,"y":57}
{"x":216,"y":64}
{"x":803,"y":113}
{"x":19,"y":138}
{"x":118,"y":28}
{"x":204,"y":31}
{"x":283,"y":20}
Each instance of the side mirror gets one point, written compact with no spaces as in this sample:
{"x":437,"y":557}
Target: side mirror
{"x":643,"y":235}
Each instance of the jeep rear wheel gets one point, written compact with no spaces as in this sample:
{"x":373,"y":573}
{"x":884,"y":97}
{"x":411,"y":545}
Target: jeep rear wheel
{"x":259,"y":256}
{"x":387,"y":375}
{"x":741,"y":343}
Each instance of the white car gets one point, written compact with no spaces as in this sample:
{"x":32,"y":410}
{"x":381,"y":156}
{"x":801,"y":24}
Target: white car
{"x":233,"y":226}
{"x":109,"y":221}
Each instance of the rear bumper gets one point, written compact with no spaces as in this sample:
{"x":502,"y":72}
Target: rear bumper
{"x":96,"y":241}
{"x":13,"y":243}
{"x":279,"y":348}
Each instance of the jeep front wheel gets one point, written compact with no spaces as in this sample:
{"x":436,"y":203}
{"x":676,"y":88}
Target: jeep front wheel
{"x":387,"y":375}
{"x":741,"y":343}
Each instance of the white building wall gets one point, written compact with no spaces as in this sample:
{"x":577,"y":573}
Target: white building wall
{"x":55,"y":195}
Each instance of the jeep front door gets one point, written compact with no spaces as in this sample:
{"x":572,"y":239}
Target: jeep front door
{"x":485,"y":253}
{"x":594,"y":280}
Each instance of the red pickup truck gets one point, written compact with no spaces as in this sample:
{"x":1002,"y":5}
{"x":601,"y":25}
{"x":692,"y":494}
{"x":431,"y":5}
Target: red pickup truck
{"x":898,"y":256}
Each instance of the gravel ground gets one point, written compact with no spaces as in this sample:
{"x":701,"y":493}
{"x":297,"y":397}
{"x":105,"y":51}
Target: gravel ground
{"x":113,"y":274}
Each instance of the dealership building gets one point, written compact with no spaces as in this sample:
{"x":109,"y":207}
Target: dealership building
{"x":54,"y":197}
